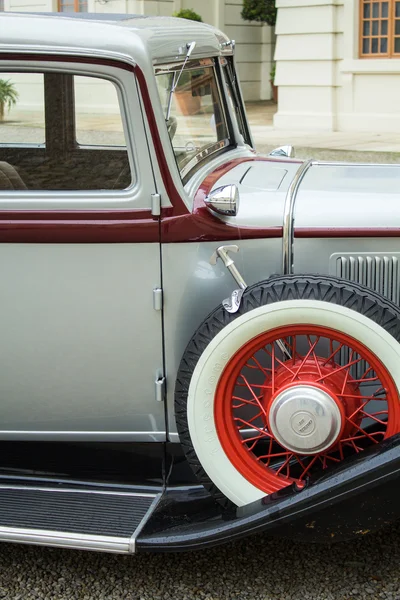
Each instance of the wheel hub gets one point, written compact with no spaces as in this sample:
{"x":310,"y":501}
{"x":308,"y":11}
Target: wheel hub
{"x":305,"y":419}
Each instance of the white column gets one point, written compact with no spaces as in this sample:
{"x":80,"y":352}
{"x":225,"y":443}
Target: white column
{"x":267,"y":57}
{"x":308,"y":48}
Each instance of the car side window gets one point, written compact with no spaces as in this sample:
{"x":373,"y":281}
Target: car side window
{"x":62,"y":132}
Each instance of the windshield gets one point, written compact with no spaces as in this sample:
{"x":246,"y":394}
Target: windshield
{"x":197,"y":123}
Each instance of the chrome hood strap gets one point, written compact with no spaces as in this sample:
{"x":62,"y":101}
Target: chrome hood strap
{"x":288,"y":216}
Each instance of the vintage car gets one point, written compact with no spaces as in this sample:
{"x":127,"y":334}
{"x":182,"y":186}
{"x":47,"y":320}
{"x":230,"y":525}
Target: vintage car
{"x":197,"y":342}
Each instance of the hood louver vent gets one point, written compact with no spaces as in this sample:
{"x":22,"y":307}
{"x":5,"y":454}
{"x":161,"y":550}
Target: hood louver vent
{"x":379,"y":272}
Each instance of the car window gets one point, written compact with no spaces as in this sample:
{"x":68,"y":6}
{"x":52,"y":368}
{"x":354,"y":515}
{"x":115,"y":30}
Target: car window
{"x":62,"y":132}
{"x":195,"y":113}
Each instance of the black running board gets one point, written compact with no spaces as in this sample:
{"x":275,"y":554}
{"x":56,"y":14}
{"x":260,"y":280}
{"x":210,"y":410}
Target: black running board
{"x":357,"y":497}
{"x":86,"y":519}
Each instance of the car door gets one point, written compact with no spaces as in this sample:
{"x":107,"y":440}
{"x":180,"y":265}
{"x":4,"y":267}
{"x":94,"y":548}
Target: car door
{"x":81,"y":346}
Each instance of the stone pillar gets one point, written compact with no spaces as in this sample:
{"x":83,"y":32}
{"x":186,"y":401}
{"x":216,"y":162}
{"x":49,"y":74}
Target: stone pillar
{"x":308,"y":48}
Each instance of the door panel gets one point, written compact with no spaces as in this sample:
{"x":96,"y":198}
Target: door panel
{"x":81,"y":343}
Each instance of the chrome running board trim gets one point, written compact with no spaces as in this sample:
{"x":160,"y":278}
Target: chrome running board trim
{"x":78,"y":541}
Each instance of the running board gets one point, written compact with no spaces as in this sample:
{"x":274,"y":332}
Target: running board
{"x":107,"y":521}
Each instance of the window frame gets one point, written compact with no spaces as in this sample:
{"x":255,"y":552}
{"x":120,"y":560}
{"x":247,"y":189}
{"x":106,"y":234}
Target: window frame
{"x":138,"y":194}
{"x":75,"y":3}
{"x":391,"y":35}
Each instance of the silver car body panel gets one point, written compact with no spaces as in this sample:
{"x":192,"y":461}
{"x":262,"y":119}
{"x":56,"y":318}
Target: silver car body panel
{"x":193,"y":288}
{"x":81,"y":343}
{"x":132,"y":37}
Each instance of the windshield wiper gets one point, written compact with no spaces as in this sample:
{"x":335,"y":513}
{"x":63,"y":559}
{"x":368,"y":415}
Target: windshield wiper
{"x":189,"y":49}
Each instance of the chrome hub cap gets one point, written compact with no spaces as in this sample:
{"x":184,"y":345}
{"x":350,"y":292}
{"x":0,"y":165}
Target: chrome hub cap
{"x":305,"y":419}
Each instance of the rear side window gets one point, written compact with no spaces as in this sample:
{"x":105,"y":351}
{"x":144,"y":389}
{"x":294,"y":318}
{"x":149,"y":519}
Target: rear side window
{"x":62,"y":132}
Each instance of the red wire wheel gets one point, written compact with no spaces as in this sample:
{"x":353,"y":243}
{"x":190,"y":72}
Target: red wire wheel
{"x":297,"y":399}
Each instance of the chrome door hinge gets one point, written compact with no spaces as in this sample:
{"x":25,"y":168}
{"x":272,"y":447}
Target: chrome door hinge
{"x":160,"y":389}
{"x":156,"y":205}
{"x":157,"y":299}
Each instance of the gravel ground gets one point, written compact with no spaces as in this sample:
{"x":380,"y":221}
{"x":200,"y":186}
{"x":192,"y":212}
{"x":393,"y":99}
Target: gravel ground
{"x":253,"y":569}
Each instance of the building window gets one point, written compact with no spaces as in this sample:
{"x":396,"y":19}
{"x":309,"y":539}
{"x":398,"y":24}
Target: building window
{"x":1,"y":5}
{"x":380,"y":29}
{"x":72,"y":5}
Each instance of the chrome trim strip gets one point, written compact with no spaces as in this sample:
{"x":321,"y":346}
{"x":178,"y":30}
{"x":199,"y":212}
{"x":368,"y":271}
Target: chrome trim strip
{"x":85,"y":436}
{"x":79,"y":541}
{"x":288,"y":218}
{"x":27,"y":488}
{"x":322,"y":163}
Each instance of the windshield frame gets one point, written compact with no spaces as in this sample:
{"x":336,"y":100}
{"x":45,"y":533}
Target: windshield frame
{"x":209,"y":151}
{"x":230,"y":75}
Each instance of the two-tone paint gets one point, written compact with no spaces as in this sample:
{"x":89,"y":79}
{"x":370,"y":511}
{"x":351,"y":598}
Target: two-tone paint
{"x":81,"y":340}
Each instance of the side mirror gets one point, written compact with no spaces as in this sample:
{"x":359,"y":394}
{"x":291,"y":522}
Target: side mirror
{"x":283,"y":151}
{"x":224,"y":200}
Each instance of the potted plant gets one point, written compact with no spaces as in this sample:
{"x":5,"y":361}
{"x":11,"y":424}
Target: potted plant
{"x":274,"y":88}
{"x":8,"y":96}
{"x":189,"y":104}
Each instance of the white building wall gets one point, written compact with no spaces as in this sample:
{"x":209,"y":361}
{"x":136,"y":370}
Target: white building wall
{"x":255,"y":43}
{"x":323,"y":84}
{"x":309,"y":38}
{"x":369,"y":93}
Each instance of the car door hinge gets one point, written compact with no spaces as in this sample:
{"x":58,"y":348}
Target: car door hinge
{"x":156,"y":205}
{"x":160,"y":389}
{"x":157,"y":299}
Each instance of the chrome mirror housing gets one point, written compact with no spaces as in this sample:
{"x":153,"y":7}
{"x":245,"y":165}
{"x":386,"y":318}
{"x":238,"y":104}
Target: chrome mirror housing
{"x":283,"y":151}
{"x":224,"y":200}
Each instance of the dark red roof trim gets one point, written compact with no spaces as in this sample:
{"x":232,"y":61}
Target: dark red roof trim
{"x":346,"y":232}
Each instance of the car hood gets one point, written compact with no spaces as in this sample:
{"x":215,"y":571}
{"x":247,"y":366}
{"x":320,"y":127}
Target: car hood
{"x":262,"y":186}
{"x":330,"y":194}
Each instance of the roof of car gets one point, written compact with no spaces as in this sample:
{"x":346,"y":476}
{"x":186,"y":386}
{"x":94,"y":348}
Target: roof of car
{"x":161,"y":38}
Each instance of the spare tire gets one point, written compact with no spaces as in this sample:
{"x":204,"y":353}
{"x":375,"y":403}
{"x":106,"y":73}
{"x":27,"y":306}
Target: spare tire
{"x":304,"y":375}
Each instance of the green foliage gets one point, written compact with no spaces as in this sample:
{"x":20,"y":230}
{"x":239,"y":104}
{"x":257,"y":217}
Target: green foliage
{"x":188,"y":13}
{"x":8,"y":93}
{"x":272,"y":72}
{"x":263,"y":11}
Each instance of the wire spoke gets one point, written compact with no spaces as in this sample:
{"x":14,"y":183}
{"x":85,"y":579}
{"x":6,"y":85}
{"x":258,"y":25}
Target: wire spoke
{"x":282,"y":364}
{"x":346,"y":366}
{"x":333,"y":354}
{"x":305,"y":359}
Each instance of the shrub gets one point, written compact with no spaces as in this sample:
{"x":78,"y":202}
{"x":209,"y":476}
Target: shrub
{"x":272,"y":72}
{"x":188,"y":13}
{"x":263,"y":11}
